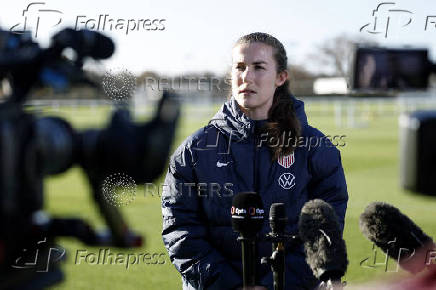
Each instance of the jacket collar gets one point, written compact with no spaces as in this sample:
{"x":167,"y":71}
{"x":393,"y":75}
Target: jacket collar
{"x":231,"y":121}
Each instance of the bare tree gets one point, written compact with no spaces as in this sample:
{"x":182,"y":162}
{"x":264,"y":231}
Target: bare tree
{"x":301,"y":80}
{"x":337,"y":53}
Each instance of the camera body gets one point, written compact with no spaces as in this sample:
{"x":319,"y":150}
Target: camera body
{"x":418,"y":152}
{"x":32,"y":148}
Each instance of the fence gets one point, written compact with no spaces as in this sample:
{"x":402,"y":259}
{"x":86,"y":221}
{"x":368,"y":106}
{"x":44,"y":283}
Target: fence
{"x":347,"y":111}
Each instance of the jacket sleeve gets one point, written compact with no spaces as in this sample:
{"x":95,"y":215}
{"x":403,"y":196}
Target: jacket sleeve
{"x":185,"y":231}
{"x":328,"y":180}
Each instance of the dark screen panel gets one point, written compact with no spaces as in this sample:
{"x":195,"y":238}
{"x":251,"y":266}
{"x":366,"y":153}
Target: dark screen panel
{"x":382,"y":69}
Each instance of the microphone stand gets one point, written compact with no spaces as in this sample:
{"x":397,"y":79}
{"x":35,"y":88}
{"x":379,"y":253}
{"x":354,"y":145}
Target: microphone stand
{"x":277,"y":259}
{"x":247,"y":219}
{"x":248,"y":260}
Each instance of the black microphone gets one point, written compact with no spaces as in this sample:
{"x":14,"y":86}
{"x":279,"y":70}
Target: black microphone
{"x":324,"y":246}
{"x":277,"y":218}
{"x":277,"y":222}
{"x":247,"y":219}
{"x":396,"y":234}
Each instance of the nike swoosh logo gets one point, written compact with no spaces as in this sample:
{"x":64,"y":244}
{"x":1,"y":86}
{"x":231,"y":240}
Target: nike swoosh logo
{"x":220,"y":164}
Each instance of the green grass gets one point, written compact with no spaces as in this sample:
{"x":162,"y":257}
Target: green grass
{"x":370,"y":159}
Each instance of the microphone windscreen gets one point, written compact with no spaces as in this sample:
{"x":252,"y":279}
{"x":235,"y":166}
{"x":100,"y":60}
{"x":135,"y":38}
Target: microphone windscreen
{"x":247,"y":213}
{"x":277,"y":217}
{"x":396,"y":234}
{"x":324,"y":246}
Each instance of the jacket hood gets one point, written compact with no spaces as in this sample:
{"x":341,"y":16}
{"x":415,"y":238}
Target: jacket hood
{"x":231,"y":121}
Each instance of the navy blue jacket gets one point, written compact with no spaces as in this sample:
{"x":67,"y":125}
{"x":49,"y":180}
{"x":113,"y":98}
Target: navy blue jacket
{"x":222,"y":159}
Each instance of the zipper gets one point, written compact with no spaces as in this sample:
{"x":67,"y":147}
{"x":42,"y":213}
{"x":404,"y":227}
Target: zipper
{"x":255,"y":181}
{"x":256,"y":188}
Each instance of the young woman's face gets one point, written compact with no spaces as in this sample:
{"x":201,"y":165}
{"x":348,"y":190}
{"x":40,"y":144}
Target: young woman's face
{"x":255,"y":78}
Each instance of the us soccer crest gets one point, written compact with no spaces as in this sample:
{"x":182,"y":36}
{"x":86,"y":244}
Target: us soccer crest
{"x":286,"y":161}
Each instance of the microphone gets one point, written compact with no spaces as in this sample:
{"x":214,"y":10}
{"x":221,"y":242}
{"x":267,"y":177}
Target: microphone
{"x":277,"y":218}
{"x":277,"y":222}
{"x":324,"y":246}
{"x":247,"y":219}
{"x":396,"y":234}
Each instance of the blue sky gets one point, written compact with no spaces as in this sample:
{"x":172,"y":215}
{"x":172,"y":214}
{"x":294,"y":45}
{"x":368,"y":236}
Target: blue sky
{"x":199,"y":35}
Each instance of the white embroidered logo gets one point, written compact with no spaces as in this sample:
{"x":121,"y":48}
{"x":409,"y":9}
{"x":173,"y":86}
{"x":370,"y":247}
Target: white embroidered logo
{"x":220,"y":164}
{"x":286,"y":180}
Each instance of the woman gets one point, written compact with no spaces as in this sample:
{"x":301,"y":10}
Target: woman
{"x":258,"y":141}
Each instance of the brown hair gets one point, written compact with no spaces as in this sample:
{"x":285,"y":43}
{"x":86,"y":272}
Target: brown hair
{"x":283,"y":123}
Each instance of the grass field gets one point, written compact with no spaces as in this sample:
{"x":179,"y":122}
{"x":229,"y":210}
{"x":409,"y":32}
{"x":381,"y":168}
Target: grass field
{"x":370,"y":160}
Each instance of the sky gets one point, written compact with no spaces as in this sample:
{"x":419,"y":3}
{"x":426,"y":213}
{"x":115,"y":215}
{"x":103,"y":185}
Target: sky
{"x":195,"y":36}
